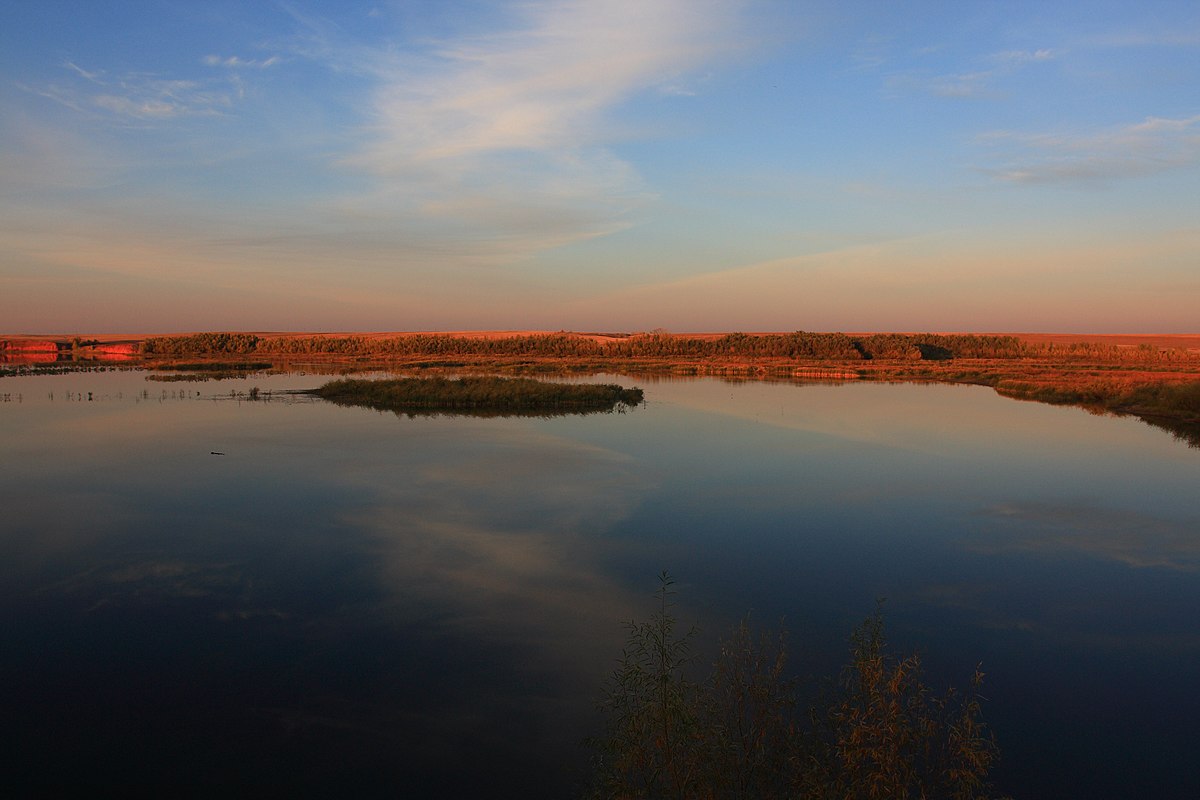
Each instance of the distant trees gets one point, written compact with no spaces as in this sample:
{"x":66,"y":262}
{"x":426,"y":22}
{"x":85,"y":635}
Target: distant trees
{"x":78,"y":343}
{"x":659,"y":345}
{"x":201,"y":344}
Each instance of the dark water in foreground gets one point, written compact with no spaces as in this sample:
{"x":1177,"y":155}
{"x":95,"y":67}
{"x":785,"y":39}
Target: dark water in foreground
{"x":355,"y":603}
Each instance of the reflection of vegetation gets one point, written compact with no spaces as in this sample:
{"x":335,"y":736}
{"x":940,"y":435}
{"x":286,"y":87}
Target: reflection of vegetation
{"x":879,"y":733}
{"x":1174,"y":406}
{"x":219,"y":366}
{"x":52,"y":368}
{"x":1186,"y":432}
{"x":209,"y":371}
{"x":479,"y":395}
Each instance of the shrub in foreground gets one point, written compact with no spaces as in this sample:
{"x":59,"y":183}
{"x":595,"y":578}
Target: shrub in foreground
{"x":742,"y":732}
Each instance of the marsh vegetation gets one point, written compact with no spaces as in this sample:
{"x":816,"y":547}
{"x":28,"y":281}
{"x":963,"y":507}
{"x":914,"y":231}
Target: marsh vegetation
{"x":1156,"y":383}
{"x":479,"y":395}
{"x":1157,"y":380}
{"x":658,"y":345}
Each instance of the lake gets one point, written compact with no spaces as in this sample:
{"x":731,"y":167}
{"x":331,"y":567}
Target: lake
{"x":200,"y":591}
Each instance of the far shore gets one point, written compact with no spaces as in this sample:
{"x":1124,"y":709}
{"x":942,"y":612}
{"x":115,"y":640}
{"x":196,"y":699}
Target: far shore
{"x":30,"y":341}
{"x":1152,"y":376}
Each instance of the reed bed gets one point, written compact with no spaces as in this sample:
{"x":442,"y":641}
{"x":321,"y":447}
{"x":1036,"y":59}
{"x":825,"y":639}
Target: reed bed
{"x":478,"y":394}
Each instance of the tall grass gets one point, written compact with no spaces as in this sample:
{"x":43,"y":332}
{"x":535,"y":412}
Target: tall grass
{"x":878,"y":733}
{"x":1173,"y":405}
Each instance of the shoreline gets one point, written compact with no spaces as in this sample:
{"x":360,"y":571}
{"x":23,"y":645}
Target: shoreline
{"x":40,"y":342}
{"x":1155,"y":377}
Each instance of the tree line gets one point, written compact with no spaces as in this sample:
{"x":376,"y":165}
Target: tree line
{"x":799,"y":345}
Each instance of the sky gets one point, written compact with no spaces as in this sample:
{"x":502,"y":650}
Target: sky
{"x":599,"y":165}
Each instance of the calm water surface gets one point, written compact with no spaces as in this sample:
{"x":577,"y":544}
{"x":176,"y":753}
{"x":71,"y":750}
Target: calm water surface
{"x":356,"y":602}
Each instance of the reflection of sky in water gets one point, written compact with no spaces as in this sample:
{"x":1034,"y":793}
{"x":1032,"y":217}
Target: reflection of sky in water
{"x":348,"y":595}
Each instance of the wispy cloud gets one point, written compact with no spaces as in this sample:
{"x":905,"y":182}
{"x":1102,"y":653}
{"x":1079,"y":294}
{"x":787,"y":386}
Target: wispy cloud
{"x":1143,"y":38}
{"x":969,"y":84}
{"x":469,"y":156}
{"x":1016,"y":58}
{"x":515,"y":127}
{"x":972,"y":83}
{"x":870,"y":53}
{"x":83,"y":73}
{"x":544,"y":85}
{"x":139,"y":95}
{"x":38,"y":157}
{"x":236,"y":62}
{"x":1154,"y":145}
{"x":144,"y":107}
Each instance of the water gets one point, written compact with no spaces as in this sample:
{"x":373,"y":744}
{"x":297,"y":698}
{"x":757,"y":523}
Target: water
{"x":353,"y":602}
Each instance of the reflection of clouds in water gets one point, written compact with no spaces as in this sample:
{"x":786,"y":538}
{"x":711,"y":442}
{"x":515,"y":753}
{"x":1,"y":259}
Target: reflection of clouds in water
{"x":545,"y":483}
{"x":40,"y":529}
{"x":509,"y":541}
{"x":1128,"y":537}
{"x":1044,"y":594}
{"x":978,"y":600}
{"x":487,"y":562}
{"x":151,"y":581}
{"x":1150,"y":643}
{"x":1062,"y":618}
{"x":427,"y":587}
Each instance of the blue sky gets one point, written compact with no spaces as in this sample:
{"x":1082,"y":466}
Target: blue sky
{"x":607,"y":164}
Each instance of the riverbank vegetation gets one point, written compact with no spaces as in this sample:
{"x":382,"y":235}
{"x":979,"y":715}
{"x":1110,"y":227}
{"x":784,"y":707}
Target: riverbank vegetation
{"x":1154,"y":378}
{"x":1179,"y":400}
{"x":486,"y":395}
{"x":1156,"y":383}
{"x":876,"y":732}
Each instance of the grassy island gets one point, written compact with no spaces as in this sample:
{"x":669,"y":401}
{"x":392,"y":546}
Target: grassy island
{"x":479,"y":395}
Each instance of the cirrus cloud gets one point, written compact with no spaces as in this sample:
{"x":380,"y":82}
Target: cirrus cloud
{"x":137,"y":95}
{"x":513,"y":130}
{"x":1154,"y":145}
